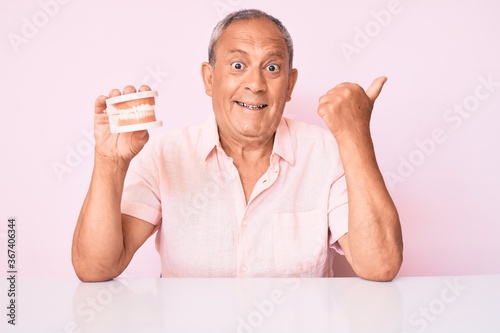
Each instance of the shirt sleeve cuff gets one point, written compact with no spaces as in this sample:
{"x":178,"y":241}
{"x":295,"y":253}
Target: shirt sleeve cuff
{"x":338,"y":226}
{"x":141,"y":212}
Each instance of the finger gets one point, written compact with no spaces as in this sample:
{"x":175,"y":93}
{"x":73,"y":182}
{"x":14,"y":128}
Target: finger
{"x":142,"y":136}
{"x":100,"y":104}
{"x":375,"y":88}
{"x":144,"y":87}
{"x":114,"y":93}
{"x":129,"y":90}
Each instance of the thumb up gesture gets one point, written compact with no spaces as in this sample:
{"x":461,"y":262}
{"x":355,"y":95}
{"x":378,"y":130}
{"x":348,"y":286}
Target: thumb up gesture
{"x":346,"y":109}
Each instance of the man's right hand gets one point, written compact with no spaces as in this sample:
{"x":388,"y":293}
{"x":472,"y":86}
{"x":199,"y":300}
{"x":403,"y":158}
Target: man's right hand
{"x":105,"y":240}
{"x":120,"y":147}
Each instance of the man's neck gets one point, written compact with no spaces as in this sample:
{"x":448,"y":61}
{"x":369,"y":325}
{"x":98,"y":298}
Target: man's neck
{"x":250,"y":151}
{"x":252,"y":159}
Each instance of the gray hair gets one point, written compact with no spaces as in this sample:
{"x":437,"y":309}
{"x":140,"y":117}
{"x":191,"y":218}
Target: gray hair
{"x":241,"y":15}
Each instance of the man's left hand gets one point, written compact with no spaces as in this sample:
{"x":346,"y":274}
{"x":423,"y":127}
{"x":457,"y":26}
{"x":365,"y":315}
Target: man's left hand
{"x":346,"y":109}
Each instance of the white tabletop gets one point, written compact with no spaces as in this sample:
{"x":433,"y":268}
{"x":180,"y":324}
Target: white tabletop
{"x":419,"y":304}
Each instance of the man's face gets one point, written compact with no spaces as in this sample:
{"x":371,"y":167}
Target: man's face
{"x":251,"y":80}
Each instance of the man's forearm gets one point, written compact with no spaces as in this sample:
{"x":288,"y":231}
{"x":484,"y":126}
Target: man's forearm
{"x":98,"y":239}
{"x":374,"y":237}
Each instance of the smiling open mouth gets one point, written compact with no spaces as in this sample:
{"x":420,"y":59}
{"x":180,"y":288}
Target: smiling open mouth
{"x":252,"y":107}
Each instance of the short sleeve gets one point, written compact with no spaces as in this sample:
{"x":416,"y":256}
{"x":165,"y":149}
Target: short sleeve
{"x":141,"y":196}
{"x":338,"y":209}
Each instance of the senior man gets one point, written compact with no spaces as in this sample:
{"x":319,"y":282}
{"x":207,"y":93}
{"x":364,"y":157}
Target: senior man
{"x":247,"y":193}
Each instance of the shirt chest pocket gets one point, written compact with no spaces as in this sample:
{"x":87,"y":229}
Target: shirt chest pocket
{"x":300,"y":241}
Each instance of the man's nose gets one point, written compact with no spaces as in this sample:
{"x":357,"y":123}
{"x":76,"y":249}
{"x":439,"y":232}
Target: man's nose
{"x":255,"y":80}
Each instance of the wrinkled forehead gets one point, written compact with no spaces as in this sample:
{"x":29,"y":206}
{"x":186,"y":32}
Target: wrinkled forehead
{"x":261,"y":34}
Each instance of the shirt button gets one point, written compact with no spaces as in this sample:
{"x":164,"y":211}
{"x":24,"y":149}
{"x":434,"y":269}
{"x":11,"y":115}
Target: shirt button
{"x":244,"y":268}
{"x":245,"y":222}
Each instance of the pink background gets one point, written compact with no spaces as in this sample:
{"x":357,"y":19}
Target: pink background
{"x":441,"y":164}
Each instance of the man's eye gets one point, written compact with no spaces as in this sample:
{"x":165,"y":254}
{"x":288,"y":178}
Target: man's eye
{"x":237,"y":65}
{"x":273,"y":68}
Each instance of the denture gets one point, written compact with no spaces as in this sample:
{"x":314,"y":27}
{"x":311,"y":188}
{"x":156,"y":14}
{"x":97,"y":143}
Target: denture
{"x":132,"y":112}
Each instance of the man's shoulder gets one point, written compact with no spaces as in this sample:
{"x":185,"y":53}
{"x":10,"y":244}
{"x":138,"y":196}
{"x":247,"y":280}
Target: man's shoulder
{"x":314,"y":147}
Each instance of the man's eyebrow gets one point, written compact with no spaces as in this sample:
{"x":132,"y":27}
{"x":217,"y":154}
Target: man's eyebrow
{"x":237,"y":51}
{"x":277,"y":54}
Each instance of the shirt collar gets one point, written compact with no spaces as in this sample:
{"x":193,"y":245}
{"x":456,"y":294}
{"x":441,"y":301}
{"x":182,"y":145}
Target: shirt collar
{"x":282,"y":140}
{"x":209,"y":137}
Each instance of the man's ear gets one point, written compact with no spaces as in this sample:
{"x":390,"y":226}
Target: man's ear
{"x":207,"y":77}
{"x":292,"y":79}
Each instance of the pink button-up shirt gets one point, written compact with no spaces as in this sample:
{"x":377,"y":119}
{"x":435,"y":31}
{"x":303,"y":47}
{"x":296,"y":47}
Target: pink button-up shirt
{"x":185,"y":184}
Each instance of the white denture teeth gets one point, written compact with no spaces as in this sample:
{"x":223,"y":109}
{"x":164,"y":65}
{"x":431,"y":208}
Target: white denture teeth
{"x":136,"y":115}
{"x":136,"y":112}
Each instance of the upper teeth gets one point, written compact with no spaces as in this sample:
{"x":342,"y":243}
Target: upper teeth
{"x":252,"y":107}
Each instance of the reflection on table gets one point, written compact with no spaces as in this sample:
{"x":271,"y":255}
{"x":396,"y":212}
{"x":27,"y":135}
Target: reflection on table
{"x":420,"y":304}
